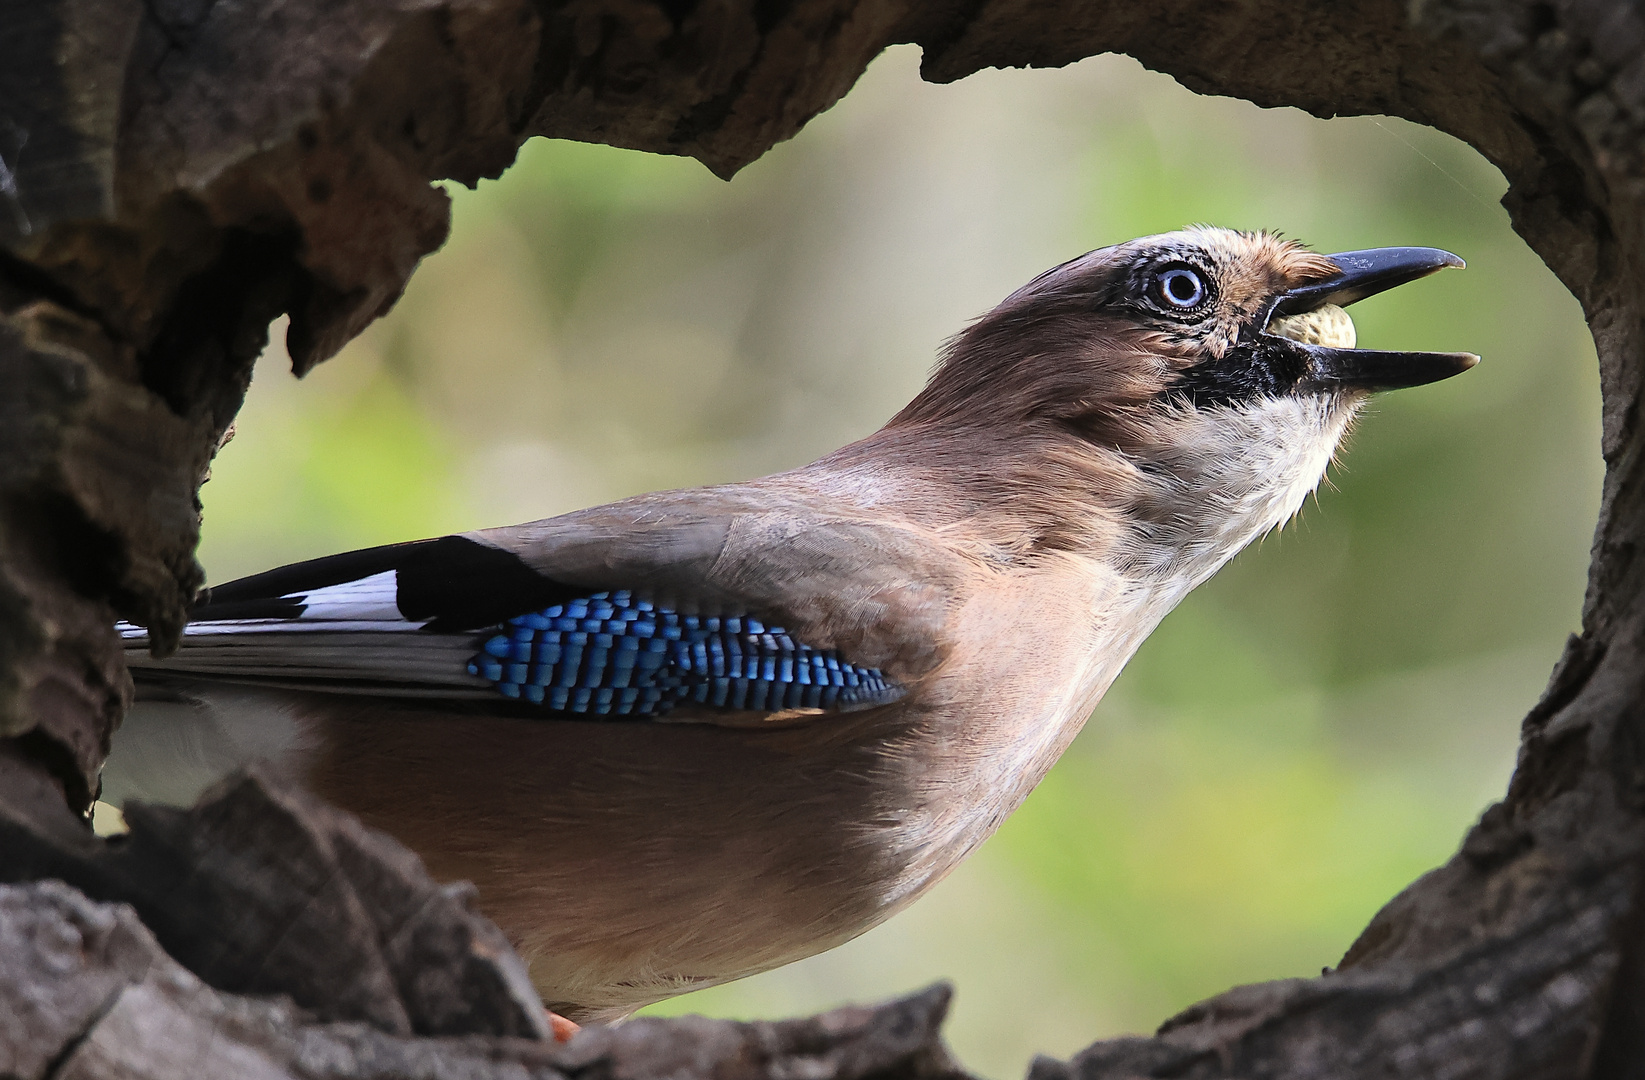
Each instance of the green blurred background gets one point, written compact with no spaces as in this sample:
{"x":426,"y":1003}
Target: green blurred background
{"x":1304,"y":736}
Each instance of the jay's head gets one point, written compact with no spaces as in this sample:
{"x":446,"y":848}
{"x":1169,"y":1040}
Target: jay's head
{"x":1195,"y":384}
{"x":1124,"y":343}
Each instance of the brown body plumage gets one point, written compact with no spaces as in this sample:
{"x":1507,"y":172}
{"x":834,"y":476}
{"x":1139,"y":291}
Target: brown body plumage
{"x":1083,"y":456}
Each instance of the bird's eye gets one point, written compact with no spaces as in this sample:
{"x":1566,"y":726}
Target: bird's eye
{"x":1181,"y":288}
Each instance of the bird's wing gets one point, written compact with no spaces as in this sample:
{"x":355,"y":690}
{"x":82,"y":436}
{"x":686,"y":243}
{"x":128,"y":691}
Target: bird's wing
{"x":730,"y":600}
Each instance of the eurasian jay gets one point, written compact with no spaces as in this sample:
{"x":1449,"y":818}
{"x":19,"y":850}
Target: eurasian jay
{"x":693,"y":735}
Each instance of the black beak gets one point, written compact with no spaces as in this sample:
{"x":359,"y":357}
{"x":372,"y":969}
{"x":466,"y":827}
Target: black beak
{"x":1362,"y":274}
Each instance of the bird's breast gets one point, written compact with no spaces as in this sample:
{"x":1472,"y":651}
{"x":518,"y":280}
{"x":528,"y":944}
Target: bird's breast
{"x":1030,"y":656}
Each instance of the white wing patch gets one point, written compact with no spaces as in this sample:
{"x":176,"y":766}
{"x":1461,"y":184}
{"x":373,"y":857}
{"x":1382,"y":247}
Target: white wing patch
{"x":349,"y":638}
{"x":370,"y":599}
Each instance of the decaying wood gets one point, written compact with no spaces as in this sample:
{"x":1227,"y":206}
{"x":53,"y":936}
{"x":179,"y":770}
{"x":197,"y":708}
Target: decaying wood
{"x":90,"y":995}
{"x":173,"y":174}
{"x":262,"y":889}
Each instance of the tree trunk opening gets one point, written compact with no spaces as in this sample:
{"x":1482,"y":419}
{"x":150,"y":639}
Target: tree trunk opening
{"x":173,"y":177}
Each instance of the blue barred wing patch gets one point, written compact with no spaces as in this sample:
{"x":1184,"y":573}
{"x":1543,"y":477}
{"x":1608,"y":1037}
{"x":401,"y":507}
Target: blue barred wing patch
{"x":612,"y":655}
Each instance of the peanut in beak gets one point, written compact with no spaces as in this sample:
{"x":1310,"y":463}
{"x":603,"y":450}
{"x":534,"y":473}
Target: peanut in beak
{"x":1328,"y":325}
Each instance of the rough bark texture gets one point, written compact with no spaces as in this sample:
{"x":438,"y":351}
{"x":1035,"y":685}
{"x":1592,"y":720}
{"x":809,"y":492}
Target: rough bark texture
{"x":91,"y":995}
{"x":175,"y":173}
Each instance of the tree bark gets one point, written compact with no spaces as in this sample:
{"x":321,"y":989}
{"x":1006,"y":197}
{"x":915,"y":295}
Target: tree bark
{"x":174,"y":174}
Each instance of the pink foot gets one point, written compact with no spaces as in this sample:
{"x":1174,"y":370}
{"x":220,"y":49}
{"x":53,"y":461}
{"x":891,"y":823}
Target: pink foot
{"x":562,"y":1028}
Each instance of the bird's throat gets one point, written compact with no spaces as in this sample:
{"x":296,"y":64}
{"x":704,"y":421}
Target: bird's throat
{"x":1218,"y":479}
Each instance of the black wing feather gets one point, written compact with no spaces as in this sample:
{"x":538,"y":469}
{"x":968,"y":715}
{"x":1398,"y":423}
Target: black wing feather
{"x":453,"y":582}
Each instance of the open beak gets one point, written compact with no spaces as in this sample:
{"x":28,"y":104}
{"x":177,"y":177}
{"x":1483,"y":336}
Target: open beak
{"x":1362,"y":274}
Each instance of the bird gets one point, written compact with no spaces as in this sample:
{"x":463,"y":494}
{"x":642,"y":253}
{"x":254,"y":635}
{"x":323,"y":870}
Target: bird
{"x":693,"y":735}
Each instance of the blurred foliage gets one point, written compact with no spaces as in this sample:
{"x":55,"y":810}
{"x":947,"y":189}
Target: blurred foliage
{"x":1305,"y":735}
